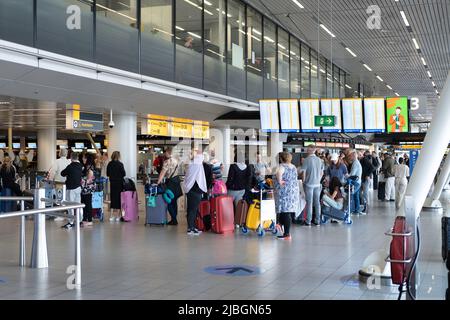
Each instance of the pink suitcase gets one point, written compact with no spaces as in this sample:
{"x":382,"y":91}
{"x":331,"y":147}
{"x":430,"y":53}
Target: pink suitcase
{"x":222,"y":214}
{"x":129,"y":203}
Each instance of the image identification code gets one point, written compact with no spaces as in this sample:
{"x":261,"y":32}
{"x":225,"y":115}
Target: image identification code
{"x":227,"y":310}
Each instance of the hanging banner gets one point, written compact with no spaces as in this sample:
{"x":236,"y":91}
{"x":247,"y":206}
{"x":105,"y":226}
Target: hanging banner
{"x":78,"y":120}
{"x":413,"y":156}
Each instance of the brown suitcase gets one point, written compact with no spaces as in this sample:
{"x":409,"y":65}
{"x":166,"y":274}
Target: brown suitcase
{"x":241,"y":213}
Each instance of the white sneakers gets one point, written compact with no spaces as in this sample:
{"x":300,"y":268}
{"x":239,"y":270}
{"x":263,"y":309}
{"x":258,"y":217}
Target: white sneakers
{"x":117,"y":219}
{"x":114,"y":219}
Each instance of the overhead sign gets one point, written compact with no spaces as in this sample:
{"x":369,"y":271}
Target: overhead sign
{"x":352,"y":115}
{"x":289,"y":114}
{"x":413,"y":156}
{"x":309,"y":108}
{"x":324,"y":121}
{"x":78,"y":120}
{"x":374,"y":114}
{"x":181,"y":130}
{"x":157,"y":127}
{"x":332,"y":107}
{"x":201,"y":130}
{"x":269,"y":115}
{"x":164,"y":126}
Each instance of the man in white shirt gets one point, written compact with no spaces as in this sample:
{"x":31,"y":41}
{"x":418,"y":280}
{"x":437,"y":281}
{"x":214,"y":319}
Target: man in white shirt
{"x":401,"y":181}
{"x":55,"y":171}
{"x":313,"y":173}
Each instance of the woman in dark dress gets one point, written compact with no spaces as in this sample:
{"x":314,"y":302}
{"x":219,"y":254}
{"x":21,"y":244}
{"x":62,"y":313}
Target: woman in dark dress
{"x":115,"y":172}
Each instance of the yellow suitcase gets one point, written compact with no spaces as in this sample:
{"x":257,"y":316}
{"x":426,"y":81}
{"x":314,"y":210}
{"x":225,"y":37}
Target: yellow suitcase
{"x":253,"y":217}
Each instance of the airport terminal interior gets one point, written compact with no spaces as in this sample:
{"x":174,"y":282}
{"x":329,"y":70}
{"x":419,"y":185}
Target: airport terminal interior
{"x":224,"y":150}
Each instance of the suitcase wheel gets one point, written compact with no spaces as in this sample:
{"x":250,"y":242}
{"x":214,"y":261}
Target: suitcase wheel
{"x":244,"y":230}
{"x":261,"y":232}
{"x":323,"y":219}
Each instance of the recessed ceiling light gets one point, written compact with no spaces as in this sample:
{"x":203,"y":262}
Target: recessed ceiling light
{"x":347,"y":86}
{"x":397,"y":94}
{"x":429,"y":74}
{"x":433,"y":83}
{"x":379,"y":78}
{"x":298,"y":4}
{"x":415,"y":43}
{"x":327,"y":30}
{"x":389,"y":87}
{"x":405,"y":20}
{"x":367,"y":67}
{"x":423,"y":61}
{"x":351,"y":52}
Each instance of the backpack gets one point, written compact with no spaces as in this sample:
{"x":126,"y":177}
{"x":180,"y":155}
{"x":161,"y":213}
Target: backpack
{"x":128,"y":184}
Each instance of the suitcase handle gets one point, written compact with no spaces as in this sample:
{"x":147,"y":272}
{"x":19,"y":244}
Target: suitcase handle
{"x":397,"y":261}
{"x":391,"y":233}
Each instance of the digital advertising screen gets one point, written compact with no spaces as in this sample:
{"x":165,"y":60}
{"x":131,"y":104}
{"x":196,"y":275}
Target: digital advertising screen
{"x":2,"y":145}
{"x":352,"y":115}
{"x":309,"y":108}
{"x":397,"y":114}
{"x":332,"y":107}
{"x":79,"y":145}
{"x":374,"y":115}
{"x":16,"y":145}
{"x":32,"y":145}
{"x":289,"y":115}
{"x":268,"y":110}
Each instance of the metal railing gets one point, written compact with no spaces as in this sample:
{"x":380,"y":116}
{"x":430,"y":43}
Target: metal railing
{"x":39,"y":257}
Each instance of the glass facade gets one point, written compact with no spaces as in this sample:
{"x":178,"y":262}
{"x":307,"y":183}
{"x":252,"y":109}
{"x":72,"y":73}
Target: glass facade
{"x":254,"y":56}
{"x":157,"y":39}
{"x":295,"y":67}
{"x":117,"y":34}
{"x":283,"y":64}
{"x":215,"y":16}
{"x":236,"y":49}
{"x":64,"y":33}
{"x":223,"y":46}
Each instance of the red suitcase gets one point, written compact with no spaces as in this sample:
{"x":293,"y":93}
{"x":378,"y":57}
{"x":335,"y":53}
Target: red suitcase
{"x":222,"y":214}
{"x":400,"y":250}
{"x":203,"y":220}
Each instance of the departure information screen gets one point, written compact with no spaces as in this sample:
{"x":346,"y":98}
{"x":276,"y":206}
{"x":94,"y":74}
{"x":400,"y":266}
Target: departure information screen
{"x":269,"y":115}
{"x":289,"y":114}
{"x":397,"y":114}
{"x":309,"y":108}
{"x":352,"y":115}
{"x":374,"y":115}
{"x":332,"y":107}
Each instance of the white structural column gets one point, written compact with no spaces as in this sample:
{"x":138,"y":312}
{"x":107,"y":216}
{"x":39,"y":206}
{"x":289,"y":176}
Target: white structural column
{"x":433,"y":201}
{"x":226,"y":149}
{"x":276,"y":146}
{"x":123,"y":138}
{"x":433,"y":150}
{"x":46,"y":140}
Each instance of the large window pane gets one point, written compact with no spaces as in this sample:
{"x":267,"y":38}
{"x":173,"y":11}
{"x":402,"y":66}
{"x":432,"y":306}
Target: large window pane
{"x":68,"y":37}
{"x":270,"y":59}
{"x":157,"y":50}
{"x":214,"y":34}
{"x":189,"y":48}
{"x":314,"y":75}
{"x":306,"y":71}
{"x":254,"y":56}
{"x":117,"y":34}
{"x":236,"y":49}
{"x":283,"y":64}
{"x":330,"y":81}
{"x":322,"y":77}
{"x":16,"y":21}
{"x":295,"y":61}
{"x":336,"y":81}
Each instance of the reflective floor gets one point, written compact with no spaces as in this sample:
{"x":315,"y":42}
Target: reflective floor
{"x":131,"y":261}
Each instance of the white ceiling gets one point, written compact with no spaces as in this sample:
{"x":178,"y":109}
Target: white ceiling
{"x":390,"y":51}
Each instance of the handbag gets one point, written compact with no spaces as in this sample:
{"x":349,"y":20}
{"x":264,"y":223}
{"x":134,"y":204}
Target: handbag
{"x":174,"y":184}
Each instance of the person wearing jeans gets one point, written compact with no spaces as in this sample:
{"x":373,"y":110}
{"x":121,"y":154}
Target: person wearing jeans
{"x":169,"y":170}
{"x":73,"y":173}
{"x":313,"y":172}
{"x":356,"y":171}
{"x":195,"y":185}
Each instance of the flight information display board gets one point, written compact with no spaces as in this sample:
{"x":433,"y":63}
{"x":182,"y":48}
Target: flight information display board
{"x":309,"y":108}
{"x":332,"y":107}
{"x":268,"y":110}
{"x":374,"y":115}
{"x":289,"y":115}
{"x":397,"y":114}
{"x":352,"y":115}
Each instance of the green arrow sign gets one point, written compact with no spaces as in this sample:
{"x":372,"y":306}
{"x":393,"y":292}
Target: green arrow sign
{"x":324,"y":121}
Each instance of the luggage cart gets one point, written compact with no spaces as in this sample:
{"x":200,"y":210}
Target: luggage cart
{"x":98,"y":198}
{"x":343,"y":215}
{"x":261,"y":216}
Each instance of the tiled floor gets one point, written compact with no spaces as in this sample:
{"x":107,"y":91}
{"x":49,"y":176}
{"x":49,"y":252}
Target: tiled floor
{"x":130,"y":261}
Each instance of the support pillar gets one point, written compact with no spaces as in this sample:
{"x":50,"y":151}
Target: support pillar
{"x":226,"y":151}
{"x":46,"y":139}
{"x":433,"y":201}
{"x":123,"y":138}
{"x":276,"y":146}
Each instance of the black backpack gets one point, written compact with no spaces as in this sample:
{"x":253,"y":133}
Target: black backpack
{"x":128,"y":185}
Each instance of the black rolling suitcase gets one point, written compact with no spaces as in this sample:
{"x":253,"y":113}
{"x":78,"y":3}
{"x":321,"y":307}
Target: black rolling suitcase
{"x":446,"y":240}
{"x":381,"y":190}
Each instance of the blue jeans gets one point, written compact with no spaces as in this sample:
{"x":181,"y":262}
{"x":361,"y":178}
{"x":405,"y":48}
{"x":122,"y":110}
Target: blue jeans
{"x":173,"y":210}
{"x":356,"y":203}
